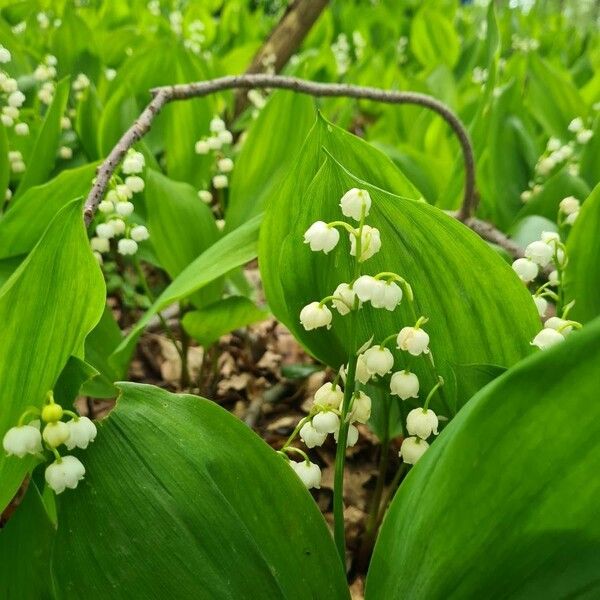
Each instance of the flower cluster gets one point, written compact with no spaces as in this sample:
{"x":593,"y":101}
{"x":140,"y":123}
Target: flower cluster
{"x":336,"y":411}
{"x":219,"y":139}
{"x":77,"y":432}
{"x":540,"y":254}
{"x":558,"y":155}
{"x":45,"y":75}
{"x":11,"y":97}
{"x":117,"y":208}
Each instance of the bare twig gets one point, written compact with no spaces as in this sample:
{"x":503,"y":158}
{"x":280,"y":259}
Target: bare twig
{"x":285,"y":39}
{"x":163,"y":95}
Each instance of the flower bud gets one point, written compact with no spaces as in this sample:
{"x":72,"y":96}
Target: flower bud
{"x":309,"y":473}
{"x":133,"y":163}
{"x":202,"y":147}
{"x":65,"y":472}
{"x":321,"y":236}
{"x":404,"y":384}
{"x":217,"y":125}
{"x":22,"y":129}
{"x":225,"y":137}
{"x":225,"y":165}
{"x":22,"y":440}
{"x":422,"y":423}
{"x":583,"y":136}
{"x":378,"y":360}
{"x":65,"y":153}
{"x":16,"y":99}
{"x":344,"y":299}
{"x":82,"y":431}
{"x":553,"y":278}
{"x":99,"y":244}
{"x":547,"y":338}
{"x":361,"y":408}
{"x":326,"y":422}
{"x":570,"y":220}
{"x":576,"y":125}
{"x":124,"y":208}
{"x":220,"y":182}
{"x":526,"y":269}
{"x":569,"y":205}
{"x":118,"y":226}
{"x":315,"y":315}
{"x":329,"y":396}
{"x":412,"y":449}
{"x":127,"y":247}
{"x":205,"y":196}
{"x":539,"y":252}
{"x":105,"y":230}
{"x":354,"y":202}
{"x":139,"y":233}
{"x":214,"y":143}
{"x":370,"y":243}
{"x":106,"y":206}
{"x":123,"y":192}
{"x":52,"y":412}
{"x":412,"y":340}
{"x":55,"y":434}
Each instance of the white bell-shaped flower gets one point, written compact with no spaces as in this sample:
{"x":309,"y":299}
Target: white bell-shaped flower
{"x":127,"y":247}
{"x":370,"y":243}
{"x":123,"y":193}
{"x":569,"y":205}
{"x":202,"y":147}
{"x":205,"y":196}
{"x":105,"y":230}
{"x":361,"y":408}
{"x":225,"y":137}
{"x":344,"y":299}
{"x":326,"y":422}
{"x":65,"y":472}
{"x":422,"y":423}
{"x":22,"y":440}
{"x":321,"y":237}
{"x":576,"y":125}
{"x":217,"y":125}
{"x":214,"y":142}
{"x":557,"y":324}
{"x":378,"y":360}
{"x":412,"y":449}
{"x":135,"y":183}
{"x":570,"y":220}
{"x":526,"y":269}
{"x":309,"y":473}
{"x":414,"y":341}
{"x":118,"y":226}
{"x":539,"y":252}
{"x":139,"y":233}
{"x":55,"y":434}
{"x":315,"y":315}
{"x":362,"y":372}
{"x":389,"y":298}
{"x":405,"y":385}
{"x":547,"y":338}
{"x":351,"y":438}
{"x":106,"y":207}
{"x":220,"y":182}
{"x":124,"y":208}
{"x":369,"y":289}
{"x":310,"y":436}
{"x":355,"y":203}
{"x":554,"y":279}
{"x":541,"y":304}
{"x":225,"y":165}
{"x":584,"y":136}
{"x":99,"y":244}
{"x":329,"y":396}
{"x":82,"y":431}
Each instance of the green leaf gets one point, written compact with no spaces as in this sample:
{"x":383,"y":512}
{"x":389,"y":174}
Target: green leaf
{"x":213,"y":525}
{"x":47,"y":307}
{"x":582,"y":276}
{"x":265,"y":159}
{"x":181,"y":227}
{"x":43,"y":156}
{"x":25,"y":544}
{"x":507,"y":497}
{"x":208,"y":324}
{"x":4,"y":165}
{"x":23,"y":225}
{"x":433,"y":39}
{"x":233,"y":250}
{"x":458,"y":280}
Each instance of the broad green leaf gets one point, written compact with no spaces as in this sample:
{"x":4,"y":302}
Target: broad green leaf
{"x":75,"y":374}
{"x":590,"y":157}
{"x":213,"y":525}
{"x":356,"y":155}
{"x":43,"y":156}
{"x":47,"y":307}
{"x":25,"y":544}
{"x":505,"y":502}
{"x":208,"y":324}
{"x":458,"y":281}
{"x":433,"y":39}
{"x":181,"y":227}
{"x":582,"y":278}
{"x":23,"y":225}
{"x":552,"y":98}
{"x":271,"y":146}
{"x":231,"y":251}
